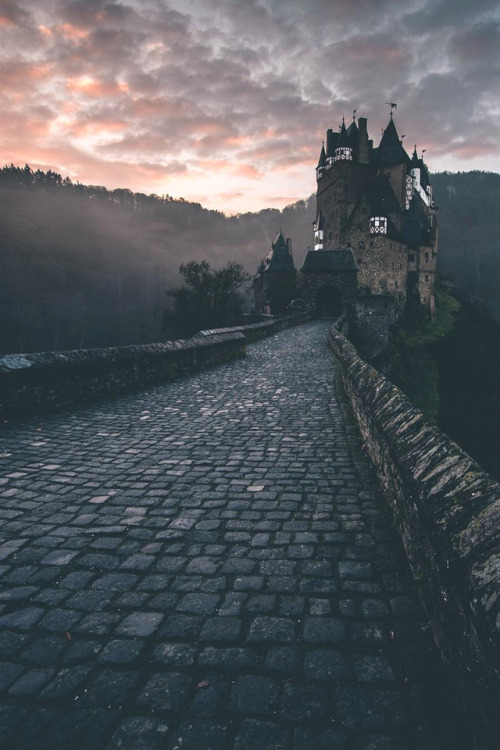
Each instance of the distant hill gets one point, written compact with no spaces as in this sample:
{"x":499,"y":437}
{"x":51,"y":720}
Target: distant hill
{"x":83,"y":266}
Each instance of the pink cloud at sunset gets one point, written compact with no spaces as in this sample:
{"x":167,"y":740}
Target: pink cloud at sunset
{"x":223,"y":98}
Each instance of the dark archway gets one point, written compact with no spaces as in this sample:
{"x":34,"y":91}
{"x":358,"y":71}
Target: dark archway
{"x":329,"y":302}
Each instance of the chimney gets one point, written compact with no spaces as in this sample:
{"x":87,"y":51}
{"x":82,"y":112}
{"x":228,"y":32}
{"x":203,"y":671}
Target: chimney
{"x":363,"y":140}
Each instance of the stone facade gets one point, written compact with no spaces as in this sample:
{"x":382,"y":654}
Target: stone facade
{"x":377,"y":204}
{"x":328,"y":281}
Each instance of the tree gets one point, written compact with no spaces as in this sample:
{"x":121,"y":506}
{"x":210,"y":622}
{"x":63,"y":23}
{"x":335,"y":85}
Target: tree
{"x":210,"y":298}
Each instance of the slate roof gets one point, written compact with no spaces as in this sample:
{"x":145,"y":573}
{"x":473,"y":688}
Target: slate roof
{"x":278,"y":258}
{"x":329,"y":261}
{"x":390,"y":149}
{"x":382,"y":198}
{"x":416,"y":229}
{"x":322,"y":157}
{"x":344,"y":139}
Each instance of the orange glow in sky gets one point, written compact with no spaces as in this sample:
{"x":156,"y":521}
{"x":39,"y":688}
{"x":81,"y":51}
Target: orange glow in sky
{"x":227,"y":102}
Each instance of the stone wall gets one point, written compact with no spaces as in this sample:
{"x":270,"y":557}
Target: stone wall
{"x":256,"y":331}
{"x":382,"y":264}
{"x":447,"y":511}
{"x":370,"y":330}
{"x":31,"y":383}
{"x":311,"y":284}
{"x":338,"y":191}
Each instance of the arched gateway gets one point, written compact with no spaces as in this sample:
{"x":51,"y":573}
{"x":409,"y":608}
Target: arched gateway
{"x":327,"y":281}
{"x":329,"y":302}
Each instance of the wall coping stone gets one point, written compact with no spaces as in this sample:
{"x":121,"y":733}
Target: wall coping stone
{"x":447,"y":510}
{"x":254,"y":331}
{"x":32,"y":383}
{"x":70,"y":357}
{"x":41,"y":381}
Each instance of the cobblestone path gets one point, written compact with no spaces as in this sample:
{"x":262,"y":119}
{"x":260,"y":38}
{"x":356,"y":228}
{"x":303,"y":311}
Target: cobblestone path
{"x":208,"y":566}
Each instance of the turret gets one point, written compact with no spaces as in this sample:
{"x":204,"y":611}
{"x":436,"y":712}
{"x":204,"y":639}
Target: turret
{"x":390,"y":150}
{"x":320,"y":169}
{"x":343,"y":150}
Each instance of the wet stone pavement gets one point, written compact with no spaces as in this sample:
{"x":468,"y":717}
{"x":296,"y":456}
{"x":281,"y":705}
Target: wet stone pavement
{"x":209,"y":565}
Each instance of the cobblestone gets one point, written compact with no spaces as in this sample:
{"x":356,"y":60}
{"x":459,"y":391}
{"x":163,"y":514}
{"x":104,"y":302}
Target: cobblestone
{"x":223,"y":574}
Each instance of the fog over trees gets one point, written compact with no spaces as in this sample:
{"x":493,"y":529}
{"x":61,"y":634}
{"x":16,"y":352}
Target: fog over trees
{"x":83,"y":266}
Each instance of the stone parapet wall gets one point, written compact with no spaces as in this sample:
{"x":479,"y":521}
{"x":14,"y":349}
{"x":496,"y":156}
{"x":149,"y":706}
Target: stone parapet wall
{"x":256,"y":331}
{"x":447,"y":511}
{"x":31,"y":383}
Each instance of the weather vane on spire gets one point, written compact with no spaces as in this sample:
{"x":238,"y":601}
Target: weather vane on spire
{"x":392,"y":105}
{"x":354,"y":114}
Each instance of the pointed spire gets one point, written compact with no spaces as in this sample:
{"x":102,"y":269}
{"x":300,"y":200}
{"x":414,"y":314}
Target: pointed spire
{"x":322,"y":156}
{"x":343,"y":135}
{"x":279,"y":241}
{"x":390,"y":134}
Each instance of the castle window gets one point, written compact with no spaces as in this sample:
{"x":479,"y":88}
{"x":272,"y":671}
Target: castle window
{"x":378,"y":225}
{"x":318,"y":239}
{"x":426,"y":277}
{"x":409,"y":190}
{"x":360,"y":262}
{"x":361,"y":245}
{"x":411,"y":258}
{"x":343,"y":153}
{"x":395,"y":285}
{"x":427,"y":257}
{"x":371,"y":243}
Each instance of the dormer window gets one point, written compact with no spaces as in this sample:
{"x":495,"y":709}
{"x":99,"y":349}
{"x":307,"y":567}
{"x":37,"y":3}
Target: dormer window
{"x":378,"y":225}
{"x":343,"y":153}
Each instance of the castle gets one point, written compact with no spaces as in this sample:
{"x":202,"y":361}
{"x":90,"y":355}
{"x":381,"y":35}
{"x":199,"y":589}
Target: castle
{"x":375,"y":237}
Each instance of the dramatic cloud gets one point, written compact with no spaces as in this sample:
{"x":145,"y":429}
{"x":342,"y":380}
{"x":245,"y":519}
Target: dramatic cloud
{"x":227,"y":101}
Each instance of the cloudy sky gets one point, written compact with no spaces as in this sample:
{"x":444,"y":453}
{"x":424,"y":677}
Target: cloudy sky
{"x":226,"y":101}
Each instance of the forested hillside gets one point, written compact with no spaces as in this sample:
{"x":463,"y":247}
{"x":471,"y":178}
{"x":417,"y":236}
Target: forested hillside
{"x":83,"y":266}
{"x":469,"y":234}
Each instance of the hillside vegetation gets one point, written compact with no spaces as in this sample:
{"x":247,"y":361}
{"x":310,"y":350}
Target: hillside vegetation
{"x":83,"y":266}
{"x":469,"y":234}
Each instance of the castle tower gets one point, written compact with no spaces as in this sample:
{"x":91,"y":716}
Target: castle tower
{"x":377,"y":204}
{"x":274,"y":284}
